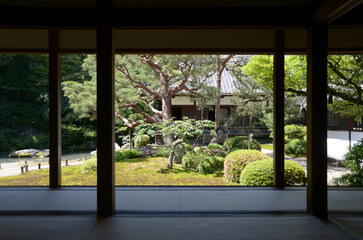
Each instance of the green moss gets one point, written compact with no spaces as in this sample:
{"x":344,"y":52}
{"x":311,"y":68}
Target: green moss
{"x":140,"y":171}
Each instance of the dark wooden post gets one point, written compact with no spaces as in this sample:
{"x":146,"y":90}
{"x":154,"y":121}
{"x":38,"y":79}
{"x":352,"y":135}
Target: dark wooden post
{"x":55,"y":145}
{"x":317,"y":121}
{"x":279,"y":108}
{"x":105,"y":119}
{"x":351,"y":124}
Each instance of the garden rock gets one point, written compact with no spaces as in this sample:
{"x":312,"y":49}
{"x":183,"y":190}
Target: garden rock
{"x":179,"y":151}
{"x":117,"y":147}
{"x":30,"y":153}
{"x":146,"y":151}
{"x":126,"y":146}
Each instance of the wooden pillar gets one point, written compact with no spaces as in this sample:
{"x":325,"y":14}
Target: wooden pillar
{"x":105,"y":119}
{"x":54,"y":111}
{"x":351,"y":125}
{"x":317,"y":121}
{"x":279,"y":109}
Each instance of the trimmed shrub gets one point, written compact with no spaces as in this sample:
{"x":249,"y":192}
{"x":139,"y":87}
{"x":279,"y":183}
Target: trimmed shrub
{"x":188,"y":147}
{"x":142,"y":140}
{"x":349,"y":179}
{"x":296,"y":147}
{"x":89,"y":166}
{"x":214,"y":149}
{"x":209,"y":165}
{"x":294,"y":131}
{"x":202,"y":162}
{"x":240,"y":142}
{"x":162,"y":152}
{"x":354,"y":158}
{"x":125,"y":154}
{"x":236,"y":161}
{"x":215,"y":146}
{"x":260,"y":173}
{"x":354,"y":162}
{"x":191,"y":160}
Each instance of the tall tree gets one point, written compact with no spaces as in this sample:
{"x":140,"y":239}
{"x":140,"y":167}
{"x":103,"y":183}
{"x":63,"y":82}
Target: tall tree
{"x":221,"y":64}
{"x":142,"y":82}
{"x":344,"y":79}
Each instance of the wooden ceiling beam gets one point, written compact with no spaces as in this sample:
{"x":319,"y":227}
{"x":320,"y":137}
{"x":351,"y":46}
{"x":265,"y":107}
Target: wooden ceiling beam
{"x":158,"y":17}
{"x":331,"y":10}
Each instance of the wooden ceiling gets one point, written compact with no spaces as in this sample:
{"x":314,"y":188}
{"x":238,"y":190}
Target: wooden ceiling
{"x":190,"y":25}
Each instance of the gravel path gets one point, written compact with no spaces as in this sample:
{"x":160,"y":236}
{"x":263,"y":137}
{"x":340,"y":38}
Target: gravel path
{"x":334,"y":170}
{"x":12,"y":169}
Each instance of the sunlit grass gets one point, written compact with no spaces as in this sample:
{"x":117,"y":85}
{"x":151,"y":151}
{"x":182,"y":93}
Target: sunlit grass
{"x":138,"y":171}
{"x":267,"y":146}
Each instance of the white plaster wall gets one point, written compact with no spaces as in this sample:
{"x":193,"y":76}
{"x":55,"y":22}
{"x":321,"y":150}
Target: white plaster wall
{"x":338,"y":143}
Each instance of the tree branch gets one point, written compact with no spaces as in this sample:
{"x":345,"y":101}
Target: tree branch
{"x":297,"y":92}
{"x":138,"y":83}
{"x":148,"y":118}
{"x":150,"y":106}
{"x":128,"y":123}
{"x":346,"y":97}
{"x":224,"y":63}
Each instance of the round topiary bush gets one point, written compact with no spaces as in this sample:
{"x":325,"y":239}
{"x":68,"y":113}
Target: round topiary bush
{"x":142,"y":140}
{"x":296,"y":147}
{"x":294,"y":131}
{"x":240,"y":142}
{"x":260,"y":173}
{"x":236,"y":161}
{"x":214,"y":149}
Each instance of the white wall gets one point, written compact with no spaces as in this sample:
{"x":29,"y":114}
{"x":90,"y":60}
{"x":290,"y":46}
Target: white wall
{"x":338,"y":143}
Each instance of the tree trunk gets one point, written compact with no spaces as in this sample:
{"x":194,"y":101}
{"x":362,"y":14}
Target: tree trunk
{"x":218,"y":99}
{"x":224,"y":129}
{"x":130,"y":139}
{"x":166,"y":106}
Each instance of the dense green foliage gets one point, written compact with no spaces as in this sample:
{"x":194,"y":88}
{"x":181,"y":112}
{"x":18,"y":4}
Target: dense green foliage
{"x":344,"y":79}
{"x":126,"y":154}
{"x":236,"y":161}
{"x":353,"y":161}
{"x":202,"y":162}
{"x":142,"y":140}
{"x":214,"y":149}
{"x":191,"y":160}
{"x":295,"y":140}
{"x":349,"y":179}
{"x":210,"y":164}
{"x":354,"y":158}
{"x":162,"y":152}
{"x":24,"y":102}
{"x":89,"y":166}
{"x":240,"y":142}
{"x":296,"y":147}
{"x":23,"y":99}
{"x":295,"y":131}
{"x":260,"y":173}
{"x":181,"y":129}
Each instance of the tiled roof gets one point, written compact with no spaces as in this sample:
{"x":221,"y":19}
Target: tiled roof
{"x":228,"y":82}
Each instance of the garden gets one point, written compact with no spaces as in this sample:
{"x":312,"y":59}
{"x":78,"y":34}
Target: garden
{"x":154,"y":94}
